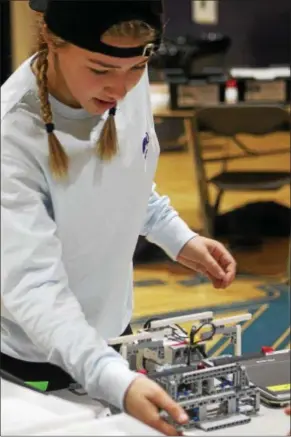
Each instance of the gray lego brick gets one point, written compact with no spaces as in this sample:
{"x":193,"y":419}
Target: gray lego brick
{"x":197,"y":374}
{"x":237,"y":419}
{"x":209,"y":399}
{"x":174,"y":371}
{"x":146,"y":344}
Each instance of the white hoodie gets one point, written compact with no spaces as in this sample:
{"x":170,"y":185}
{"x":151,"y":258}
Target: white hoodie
{"x":67,"y":247}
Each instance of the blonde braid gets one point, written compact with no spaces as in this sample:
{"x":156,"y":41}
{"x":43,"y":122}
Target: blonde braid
{"x":58,"y":159}
{"x":107,"y":145}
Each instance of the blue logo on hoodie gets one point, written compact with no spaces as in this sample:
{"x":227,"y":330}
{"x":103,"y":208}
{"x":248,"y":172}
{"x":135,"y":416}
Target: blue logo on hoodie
{"x":145,"y":145}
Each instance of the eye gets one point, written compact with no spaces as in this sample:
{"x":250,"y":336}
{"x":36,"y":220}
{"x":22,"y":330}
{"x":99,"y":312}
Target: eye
{"x":140,"y":67}
{"x":98,"y":72}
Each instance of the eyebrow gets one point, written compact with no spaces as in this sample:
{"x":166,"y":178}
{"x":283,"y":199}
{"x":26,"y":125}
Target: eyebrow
{"x":105,"y":65}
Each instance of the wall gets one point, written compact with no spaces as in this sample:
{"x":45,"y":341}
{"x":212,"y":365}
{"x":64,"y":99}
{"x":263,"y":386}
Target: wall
{"x":260,"y":30}
{"x":22,"y":31}
{"x":6,"y":58}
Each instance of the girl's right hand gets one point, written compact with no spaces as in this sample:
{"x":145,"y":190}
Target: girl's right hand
{"x":144,"y":399}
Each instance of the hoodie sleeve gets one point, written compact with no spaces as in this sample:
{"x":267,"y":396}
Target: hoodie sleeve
{"x":35,"y":290}
{"x":164,"y":227}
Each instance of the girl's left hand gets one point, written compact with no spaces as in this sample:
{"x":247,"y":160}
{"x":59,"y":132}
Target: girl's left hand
{"x":211,"y":258}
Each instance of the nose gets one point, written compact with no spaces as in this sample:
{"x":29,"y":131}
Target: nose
{"x":117,"y":89}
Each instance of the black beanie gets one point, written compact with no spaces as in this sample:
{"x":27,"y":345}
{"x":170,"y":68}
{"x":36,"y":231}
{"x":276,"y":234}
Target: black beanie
{"x":83,"y":22}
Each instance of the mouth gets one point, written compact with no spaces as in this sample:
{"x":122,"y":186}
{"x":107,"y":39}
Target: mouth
{"x":108,"y":103}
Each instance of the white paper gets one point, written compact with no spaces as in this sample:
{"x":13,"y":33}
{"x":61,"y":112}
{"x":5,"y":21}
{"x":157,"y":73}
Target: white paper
{"x":205,"y":11}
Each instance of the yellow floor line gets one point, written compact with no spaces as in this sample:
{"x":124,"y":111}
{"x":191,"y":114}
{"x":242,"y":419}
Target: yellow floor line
{"x":256,"y":315}
{"x":281,"y":338}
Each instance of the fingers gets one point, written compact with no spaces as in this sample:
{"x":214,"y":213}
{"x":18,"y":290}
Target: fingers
{"x":214,"y":261}
{"x":163,"y":401}
{"x":164,"y":427}
{"x":288,"y":411}
{"x":225,"y":260}
{"x":144,"y":399}
{"x":206,"y":263}
{"x":212,"y":267}
{"x":229,"y":266}
{"x":151,"y":416}
{"x":199,"y":268}
{"x":219,"y":284}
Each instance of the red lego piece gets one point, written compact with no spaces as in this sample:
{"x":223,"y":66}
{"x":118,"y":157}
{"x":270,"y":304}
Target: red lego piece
{"x":267,"y":349}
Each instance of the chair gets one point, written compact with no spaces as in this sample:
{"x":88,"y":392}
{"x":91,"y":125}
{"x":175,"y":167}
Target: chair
{"x":229,"y":121}
{"x":179,"y":122}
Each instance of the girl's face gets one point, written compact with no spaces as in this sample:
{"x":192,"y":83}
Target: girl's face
{"x":96,"y":81}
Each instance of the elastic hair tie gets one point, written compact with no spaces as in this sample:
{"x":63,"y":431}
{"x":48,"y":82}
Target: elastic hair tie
{"x":112,"y":111}
{"x":50,"y":127}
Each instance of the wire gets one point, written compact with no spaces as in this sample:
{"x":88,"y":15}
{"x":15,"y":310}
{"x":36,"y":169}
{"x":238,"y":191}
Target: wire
{"x":175,"y":328}
{"x":196,"y":344}
{"x":147,"y":324}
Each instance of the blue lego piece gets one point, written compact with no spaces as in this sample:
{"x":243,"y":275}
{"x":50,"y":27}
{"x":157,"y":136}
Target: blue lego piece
{"x":194,"y":414}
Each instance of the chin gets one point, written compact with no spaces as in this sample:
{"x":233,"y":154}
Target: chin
{"x":92,"y":109}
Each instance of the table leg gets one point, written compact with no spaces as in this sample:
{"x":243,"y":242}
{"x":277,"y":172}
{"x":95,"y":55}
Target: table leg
{"x":173,"y":89}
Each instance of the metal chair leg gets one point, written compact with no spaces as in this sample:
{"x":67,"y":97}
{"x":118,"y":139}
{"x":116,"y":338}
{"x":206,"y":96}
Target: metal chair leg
{"x":217,"y":201}
{"x":288,"y":264}
{"x":205,"y":208}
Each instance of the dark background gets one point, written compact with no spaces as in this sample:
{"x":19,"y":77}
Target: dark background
{"x":5,"y":40}
{"x":259,"y":29}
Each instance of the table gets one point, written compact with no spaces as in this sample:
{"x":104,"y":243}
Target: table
{"x":187,"y":117}
{"x":27,"y":412}
{"x":66,"y":413}
{"x":174,"y":82}
{"x":269,"y":422}
{"x":242,"y":75}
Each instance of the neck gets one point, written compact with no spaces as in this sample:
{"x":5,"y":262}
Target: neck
{"x":57,"y":85}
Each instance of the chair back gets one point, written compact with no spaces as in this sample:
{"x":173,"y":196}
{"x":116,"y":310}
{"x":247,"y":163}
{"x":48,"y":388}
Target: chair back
{"x":232,"y":120}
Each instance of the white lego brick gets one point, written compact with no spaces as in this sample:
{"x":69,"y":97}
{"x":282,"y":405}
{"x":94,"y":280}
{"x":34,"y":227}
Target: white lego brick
{"x":181,"y":319}
{"x":138,"y":337}
{"x":232,"y":319}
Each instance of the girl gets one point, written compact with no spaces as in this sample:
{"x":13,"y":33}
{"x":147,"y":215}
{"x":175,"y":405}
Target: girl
{"x":79,"y":154}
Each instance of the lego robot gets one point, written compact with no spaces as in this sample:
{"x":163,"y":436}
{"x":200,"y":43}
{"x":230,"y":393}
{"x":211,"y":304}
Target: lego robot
{"x":214,"y":396}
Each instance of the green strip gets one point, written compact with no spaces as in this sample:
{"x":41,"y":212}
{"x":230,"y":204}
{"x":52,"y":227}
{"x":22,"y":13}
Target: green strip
{"x":39,"y":385}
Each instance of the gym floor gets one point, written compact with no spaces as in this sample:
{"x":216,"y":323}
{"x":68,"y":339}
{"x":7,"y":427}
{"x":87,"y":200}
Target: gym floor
{"x":260,"y":288}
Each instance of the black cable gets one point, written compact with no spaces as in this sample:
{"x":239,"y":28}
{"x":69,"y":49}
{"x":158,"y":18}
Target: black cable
{"x":192,"y":344}
{"x":175,"y":336}
{"x":147,"y":324}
